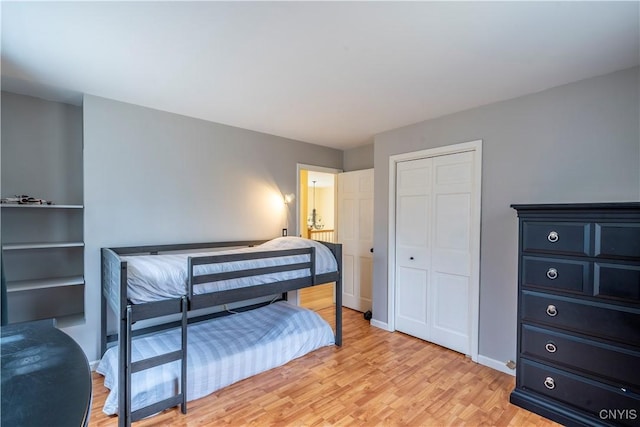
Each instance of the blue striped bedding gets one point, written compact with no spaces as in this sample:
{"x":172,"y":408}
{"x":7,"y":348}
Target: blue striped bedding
{"x":220,"y":352}
{"x":157,"y":277}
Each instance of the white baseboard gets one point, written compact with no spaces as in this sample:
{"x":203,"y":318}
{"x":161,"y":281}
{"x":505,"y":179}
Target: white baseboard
{"x":495,"y":364}
{"x":380,"y":325}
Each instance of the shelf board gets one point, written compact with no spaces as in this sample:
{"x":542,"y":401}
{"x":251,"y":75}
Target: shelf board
{"x":16,"y":205}
{"x":49,"y":245}
{"x":29,"y":285}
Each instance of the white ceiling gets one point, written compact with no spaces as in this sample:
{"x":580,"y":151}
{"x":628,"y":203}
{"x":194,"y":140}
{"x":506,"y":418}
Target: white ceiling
{"x":329,"y":73}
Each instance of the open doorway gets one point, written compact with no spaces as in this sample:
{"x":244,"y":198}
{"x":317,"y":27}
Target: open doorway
{"x":317,"y":220}
{"x":317,"y":205}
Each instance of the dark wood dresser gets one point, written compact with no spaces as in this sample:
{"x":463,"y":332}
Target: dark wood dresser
{"x":578,"y":359}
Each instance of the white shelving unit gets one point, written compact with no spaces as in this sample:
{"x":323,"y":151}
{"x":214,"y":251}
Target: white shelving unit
{"x":43,"y":255}
{"x":42,"y":245}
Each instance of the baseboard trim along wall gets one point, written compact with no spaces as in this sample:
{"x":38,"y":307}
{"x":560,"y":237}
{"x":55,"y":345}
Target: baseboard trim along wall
{"x":495,"y":364}
{"x":380,"y":325}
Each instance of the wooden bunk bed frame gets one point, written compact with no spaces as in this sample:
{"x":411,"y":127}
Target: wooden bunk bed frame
{"x":114,"y":271}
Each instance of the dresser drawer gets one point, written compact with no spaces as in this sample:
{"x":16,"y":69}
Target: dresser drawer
{"x":557,"y":274}
{"x":617,"y":281}
{"x":617,"y":240}
{"x":581,"y":393}
{"x":615,"y":364}
{"x":556,"y":237}
{"x":607,"y":321}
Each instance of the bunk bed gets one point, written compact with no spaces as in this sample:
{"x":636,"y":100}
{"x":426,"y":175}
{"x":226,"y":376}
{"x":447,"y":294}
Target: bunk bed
{"x":164,"y":284}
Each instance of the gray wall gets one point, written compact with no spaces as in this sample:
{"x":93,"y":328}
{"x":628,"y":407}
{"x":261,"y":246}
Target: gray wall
{"x":575,"y":143}
{"x":41,"y":149}
{"x":358,"y":158}
{"x":155,"y":177}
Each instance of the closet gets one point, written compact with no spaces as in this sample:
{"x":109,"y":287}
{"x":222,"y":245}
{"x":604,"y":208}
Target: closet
{"x":436,"y":248}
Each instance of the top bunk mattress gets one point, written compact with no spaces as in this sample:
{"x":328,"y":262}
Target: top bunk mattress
{"x":157,"y":277}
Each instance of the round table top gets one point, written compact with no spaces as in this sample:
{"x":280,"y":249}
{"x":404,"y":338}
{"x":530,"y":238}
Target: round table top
{"x":46,"y":378}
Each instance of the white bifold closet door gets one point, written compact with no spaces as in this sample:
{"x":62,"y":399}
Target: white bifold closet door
{"x":355,"y":232}
{"x":434,"y":201}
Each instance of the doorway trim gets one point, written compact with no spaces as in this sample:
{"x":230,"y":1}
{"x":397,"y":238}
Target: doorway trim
{"x":474,"y":308}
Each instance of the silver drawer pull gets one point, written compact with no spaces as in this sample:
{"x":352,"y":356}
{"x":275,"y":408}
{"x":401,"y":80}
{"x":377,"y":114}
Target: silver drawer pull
{"x":552,"y":273}
{"x":553,"y":237}
{"x":551,"y":347}
{"x":551,"y":310}
{"x":549,"y":383}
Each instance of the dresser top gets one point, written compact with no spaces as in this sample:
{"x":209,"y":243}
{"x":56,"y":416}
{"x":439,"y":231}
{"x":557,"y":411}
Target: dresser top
{"x":577,"y":206}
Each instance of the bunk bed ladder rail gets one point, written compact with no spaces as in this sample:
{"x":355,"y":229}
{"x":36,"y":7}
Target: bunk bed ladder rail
{"x":127,"y":416}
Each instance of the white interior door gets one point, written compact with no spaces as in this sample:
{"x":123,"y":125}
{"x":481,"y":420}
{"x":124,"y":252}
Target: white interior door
{"x":434,"y":218}
{"x":413,"y":247}
{"x":355,"y":232}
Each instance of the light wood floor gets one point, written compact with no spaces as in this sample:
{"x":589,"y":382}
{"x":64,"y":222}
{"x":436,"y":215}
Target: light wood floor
{"x":317,"y":297}
{"x":375,"y":378}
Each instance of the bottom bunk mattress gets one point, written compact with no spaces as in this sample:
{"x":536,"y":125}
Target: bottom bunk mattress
{"x":220,"y":352}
